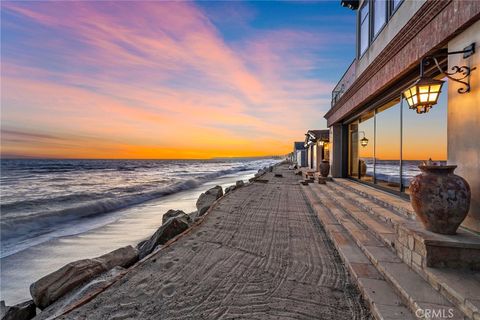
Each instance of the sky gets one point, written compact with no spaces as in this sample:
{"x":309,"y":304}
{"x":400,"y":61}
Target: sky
{"x":98,"y":79}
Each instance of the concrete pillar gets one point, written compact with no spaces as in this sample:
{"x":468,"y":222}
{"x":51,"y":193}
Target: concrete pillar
{"x":338,"y":151}
{"x":464,"y":121}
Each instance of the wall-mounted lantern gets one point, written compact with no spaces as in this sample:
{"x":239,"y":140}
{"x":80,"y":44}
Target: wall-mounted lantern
{"x":424,"y":92}
{"x":323,"y":142}
{"x":364,"y":140}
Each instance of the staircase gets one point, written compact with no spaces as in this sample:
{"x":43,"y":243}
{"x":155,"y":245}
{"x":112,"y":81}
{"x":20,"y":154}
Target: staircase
{"x":403,"y":271}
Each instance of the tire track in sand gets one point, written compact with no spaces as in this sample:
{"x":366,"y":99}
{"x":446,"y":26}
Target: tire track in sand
{"x":261,"y":253}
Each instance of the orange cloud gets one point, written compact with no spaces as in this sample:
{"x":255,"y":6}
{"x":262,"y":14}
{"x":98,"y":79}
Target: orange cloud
{"x":155,"y":86}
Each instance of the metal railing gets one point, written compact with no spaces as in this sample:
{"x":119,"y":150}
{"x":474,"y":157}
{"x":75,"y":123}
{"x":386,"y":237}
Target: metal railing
{"x":345,"y":82}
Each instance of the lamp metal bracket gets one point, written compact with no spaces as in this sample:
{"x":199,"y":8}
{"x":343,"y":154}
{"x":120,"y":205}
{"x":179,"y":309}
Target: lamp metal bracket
{"x":462,"y":72}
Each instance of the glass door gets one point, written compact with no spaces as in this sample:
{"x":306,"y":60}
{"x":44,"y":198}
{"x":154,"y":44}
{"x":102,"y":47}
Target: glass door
{"x":387,"y":145}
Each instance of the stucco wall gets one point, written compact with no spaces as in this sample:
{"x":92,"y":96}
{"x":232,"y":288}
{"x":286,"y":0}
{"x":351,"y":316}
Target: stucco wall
{"x":464,"y":121}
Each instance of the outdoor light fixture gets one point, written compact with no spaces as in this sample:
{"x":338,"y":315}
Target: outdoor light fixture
{"x":350,"y":4}
{"x":364,"y":140}
{"x":322,"y":142}
{"x":424,"y":92}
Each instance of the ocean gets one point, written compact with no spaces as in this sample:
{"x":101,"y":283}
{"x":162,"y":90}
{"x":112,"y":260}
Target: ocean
{"x":389,"y":170}
{"x":57,"y":211}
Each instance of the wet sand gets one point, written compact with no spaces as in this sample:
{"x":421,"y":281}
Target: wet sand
{"x":260,"y":253}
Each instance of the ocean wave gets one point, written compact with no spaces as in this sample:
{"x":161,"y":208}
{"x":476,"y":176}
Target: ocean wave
{"x":22,"y":227}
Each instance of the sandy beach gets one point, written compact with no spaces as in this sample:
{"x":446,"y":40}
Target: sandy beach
{"x":259,"y":253}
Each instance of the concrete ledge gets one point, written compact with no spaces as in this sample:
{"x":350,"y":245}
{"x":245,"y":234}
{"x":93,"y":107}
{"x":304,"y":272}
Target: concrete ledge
{"x":421,"y":248}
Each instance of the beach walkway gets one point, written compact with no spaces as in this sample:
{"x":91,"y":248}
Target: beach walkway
{"x":260,"y":253}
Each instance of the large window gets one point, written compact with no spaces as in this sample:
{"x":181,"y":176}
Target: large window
{"x":397,"y":141}
{"x":364,"y":27}
{"x":396,"y":4}
{"x":387,"y":145}
{"x":424,"y":137}
{"x":372,"y":17}
{"x":379,"y":15}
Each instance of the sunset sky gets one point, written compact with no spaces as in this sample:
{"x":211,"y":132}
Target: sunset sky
{"x":168,"y":79}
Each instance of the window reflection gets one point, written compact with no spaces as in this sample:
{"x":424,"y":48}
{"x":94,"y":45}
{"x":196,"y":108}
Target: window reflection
{"x":387,"y":146}
{"x":379,"y":15}
{"x":399,"y":140}
{"x":364,"y":30}
{"x":396,"y":4}
{"x":361,"y":160}
{"x":424,"y":137}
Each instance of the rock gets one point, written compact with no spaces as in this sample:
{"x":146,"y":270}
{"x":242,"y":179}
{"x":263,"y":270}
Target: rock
{"x":231,"y":188}
{"x":83,"y":293}
{"x":193,"y":215}
{"x":2,"y":308}
{"x":140,"y":244}
{"x":58,"y":283}
{"x":175,"y":213}
{"x":270,"y":169}
{"x":206,"y":199}
{"x":172,"y":227}
{"x":278,"y":175}
{"x":239,"y":183}
{"x":22,"y":311}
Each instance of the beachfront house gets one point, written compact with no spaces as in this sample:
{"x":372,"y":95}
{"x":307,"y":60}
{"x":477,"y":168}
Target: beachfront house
{"x":299,"y":154}
{"x":316,"y":144}
{"x":416,"y":72}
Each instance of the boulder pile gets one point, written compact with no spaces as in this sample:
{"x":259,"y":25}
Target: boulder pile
{"x":78,"y":280}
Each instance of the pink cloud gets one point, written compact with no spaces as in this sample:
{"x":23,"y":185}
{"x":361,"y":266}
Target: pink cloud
{"x":164,"y":79}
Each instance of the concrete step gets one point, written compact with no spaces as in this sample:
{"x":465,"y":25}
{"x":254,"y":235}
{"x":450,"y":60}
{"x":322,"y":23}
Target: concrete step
{"x":382,"y":198}
{"x":366,"y":213}
{"x":412,"y":240}
{"x":382,"y":212}
{"x":384,"y":302}
{"x":416,"y":292}
{"x":425,"y":251}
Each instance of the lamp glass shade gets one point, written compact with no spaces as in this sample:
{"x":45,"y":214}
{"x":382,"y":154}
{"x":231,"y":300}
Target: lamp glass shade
{"x":423,"y":94}
{"x":364,"y":142}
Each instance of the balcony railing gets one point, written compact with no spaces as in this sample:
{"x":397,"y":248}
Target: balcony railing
{"x":345,"y":82}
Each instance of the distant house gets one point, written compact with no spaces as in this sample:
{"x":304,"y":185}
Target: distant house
{"x":316,"y":144}
{"x":299,"y":154}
